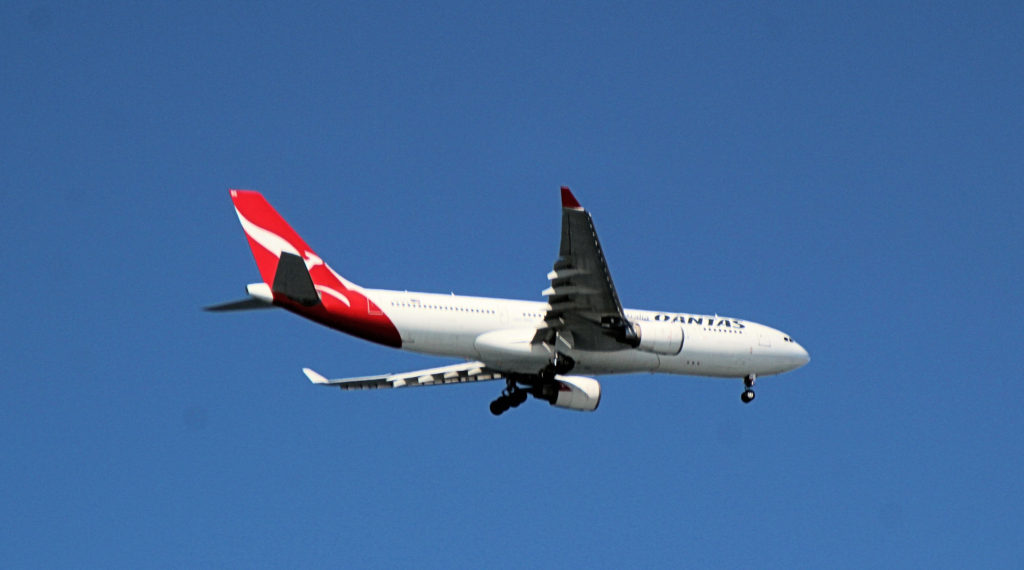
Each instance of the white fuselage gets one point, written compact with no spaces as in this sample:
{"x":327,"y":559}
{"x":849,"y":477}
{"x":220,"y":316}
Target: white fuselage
{"x":459,"y":326}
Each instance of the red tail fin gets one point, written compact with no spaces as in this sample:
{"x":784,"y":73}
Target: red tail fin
{"x":268,"y":234}
{"x":301,"y":281}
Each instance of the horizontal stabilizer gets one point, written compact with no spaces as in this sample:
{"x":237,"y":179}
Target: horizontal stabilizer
{"x":243,"y":305}
{"x":260,"y":297}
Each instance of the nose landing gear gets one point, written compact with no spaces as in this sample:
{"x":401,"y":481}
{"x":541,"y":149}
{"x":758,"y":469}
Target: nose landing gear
{"x":748,"y":395}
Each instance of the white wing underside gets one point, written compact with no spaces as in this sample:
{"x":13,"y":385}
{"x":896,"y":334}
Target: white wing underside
{"x":454,"y":374}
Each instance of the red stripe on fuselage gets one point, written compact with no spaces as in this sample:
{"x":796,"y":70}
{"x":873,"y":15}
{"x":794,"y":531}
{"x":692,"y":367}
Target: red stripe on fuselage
{"x":364,"y":324}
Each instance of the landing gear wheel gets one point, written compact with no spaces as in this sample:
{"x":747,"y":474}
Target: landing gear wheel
{"x":747,"y":396}
{"x":749,"y":380}
{"x":500,"y":406}
{"x":517,"y":398}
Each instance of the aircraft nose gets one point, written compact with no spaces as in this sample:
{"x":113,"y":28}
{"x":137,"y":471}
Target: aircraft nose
{"x":800,"y":356}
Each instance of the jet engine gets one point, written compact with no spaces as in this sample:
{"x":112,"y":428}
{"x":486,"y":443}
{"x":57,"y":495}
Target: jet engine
{"x":513,"y":350}
{"x":572,"y":393}
{"x":659,"y":338}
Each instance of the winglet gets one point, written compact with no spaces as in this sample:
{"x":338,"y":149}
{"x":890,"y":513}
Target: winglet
{"x":314,"y":377}
{"x":568,"y":200}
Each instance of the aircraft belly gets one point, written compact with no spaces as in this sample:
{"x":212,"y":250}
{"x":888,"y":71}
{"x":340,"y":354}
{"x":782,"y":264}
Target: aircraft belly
{"x":615,"y":362}
{"x":705,"y":355}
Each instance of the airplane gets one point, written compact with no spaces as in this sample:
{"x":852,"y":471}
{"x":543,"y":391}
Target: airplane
{"x":531,"y":345}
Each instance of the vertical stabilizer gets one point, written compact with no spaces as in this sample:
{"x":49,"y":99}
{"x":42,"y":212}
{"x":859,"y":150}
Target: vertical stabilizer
{"x":268,"y":234}
{"x":299,"y":280}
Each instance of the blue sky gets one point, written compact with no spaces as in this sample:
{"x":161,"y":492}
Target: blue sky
{"x":848,"y":174}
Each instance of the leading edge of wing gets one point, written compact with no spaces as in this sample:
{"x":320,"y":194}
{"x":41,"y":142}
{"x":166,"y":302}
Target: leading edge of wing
{"x":453,"y":374}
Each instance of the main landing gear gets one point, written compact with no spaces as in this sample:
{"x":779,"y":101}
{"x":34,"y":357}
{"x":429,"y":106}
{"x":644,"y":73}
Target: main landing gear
{"x":538,"y":385}
{"x":511,"y":397}
{"x":748,"y":395}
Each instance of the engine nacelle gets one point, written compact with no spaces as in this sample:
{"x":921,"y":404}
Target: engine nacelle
{"x":513,"y":350}
{"x":575,"y":393}
{"x":659,"y":338}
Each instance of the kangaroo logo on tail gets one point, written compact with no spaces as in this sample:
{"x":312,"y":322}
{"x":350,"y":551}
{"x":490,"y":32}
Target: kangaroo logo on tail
{"x":301,"y":281}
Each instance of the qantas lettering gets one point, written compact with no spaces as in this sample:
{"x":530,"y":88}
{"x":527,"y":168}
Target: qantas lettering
{"x":699,"y":320}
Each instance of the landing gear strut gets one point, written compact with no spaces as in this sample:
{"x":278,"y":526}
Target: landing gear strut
{"x":539,"y":385}
{"x":560,"y":364}
{"x":748,"y":395}
{"x":511,"y":397}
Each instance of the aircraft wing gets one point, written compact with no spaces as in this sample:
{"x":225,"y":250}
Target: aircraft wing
{"x":585,"y":310}
{"x":454,"y":374}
